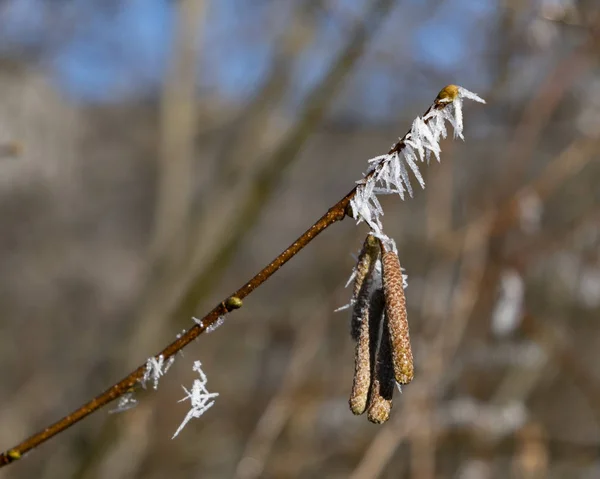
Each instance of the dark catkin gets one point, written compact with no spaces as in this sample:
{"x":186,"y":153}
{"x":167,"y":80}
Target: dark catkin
{"x":395,"y":307}
{"x":382,"y":388}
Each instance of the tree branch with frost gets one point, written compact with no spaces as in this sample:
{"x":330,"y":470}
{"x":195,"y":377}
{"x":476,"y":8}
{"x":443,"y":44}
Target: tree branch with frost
{"x":386,"y":174}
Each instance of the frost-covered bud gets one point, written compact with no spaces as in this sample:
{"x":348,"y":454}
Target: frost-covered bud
{"x":395,"y":308}
{"x":448,"y":94}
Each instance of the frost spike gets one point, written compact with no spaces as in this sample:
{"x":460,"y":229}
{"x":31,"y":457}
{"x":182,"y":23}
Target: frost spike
{"x":395,"y":308}
{"x":389,"y":173}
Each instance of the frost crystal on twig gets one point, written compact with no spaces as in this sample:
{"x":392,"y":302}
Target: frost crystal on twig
{"x":168,"y":364}
{"x":220,"y":320}
{"x":126,"y":402}
{"x":198,"y":321}
{"x":154,"y":370}
{"x":199,"y":397}
{"x":383,"y":354}
{"x":388,"y":174}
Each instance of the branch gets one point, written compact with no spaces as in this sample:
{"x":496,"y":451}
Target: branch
{"x":451,"y":95}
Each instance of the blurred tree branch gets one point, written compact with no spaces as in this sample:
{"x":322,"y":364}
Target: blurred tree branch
{"x":314,"y":110}
{"x":178,"y":130}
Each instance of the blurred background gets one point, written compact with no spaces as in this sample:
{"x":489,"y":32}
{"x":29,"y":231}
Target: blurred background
{"x":156,"y":154}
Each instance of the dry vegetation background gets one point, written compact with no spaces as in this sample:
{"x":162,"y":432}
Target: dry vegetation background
{"x":125,"y":214}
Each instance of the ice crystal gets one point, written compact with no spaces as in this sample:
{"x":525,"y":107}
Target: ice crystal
{"x":168,"y":364}
{"x":126,"y":401}
{"x":220,"y":320}
{"x":389,"y":174}
{"x":154,"y":370}
{"x":201,"y":400}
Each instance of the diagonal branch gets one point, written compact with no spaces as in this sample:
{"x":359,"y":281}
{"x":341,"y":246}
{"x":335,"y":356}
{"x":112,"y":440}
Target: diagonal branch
{"x":129,"y":383}
{"x":315,"y":105}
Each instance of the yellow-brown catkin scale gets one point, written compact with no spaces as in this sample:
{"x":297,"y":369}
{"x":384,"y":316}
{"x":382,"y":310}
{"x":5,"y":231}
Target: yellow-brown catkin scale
{"x":382,"y":389}
{"x":448,"y":94}
{"x":395,"y":308}
{"x":379,"y":408}
{"x":366,"y":262}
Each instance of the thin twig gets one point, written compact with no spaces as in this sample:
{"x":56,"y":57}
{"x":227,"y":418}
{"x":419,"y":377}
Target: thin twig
{"x":336,"y":213}
{"x":263,"y":181}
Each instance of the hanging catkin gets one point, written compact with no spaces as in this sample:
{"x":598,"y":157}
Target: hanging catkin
{"x":366,"y":262}
{"x":362,"y":364}
{"x":395,"y":307}
{"x":382,"y":388}
{"x":361,"y":325}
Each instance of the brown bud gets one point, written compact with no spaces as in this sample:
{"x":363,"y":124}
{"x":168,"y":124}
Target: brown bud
{"x":395,"y":308}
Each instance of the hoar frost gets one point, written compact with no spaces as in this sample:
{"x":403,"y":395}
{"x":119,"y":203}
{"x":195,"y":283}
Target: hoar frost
{"x":200,"y":399}
{"x":388,"y":174}
{"x":379,"y":318}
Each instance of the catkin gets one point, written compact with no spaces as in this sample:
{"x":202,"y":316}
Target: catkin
{"x":395,"y":307}
{"x":364,"y":311}
{"x":382,"y":389}
{"x":379,"y":407}
{"x":362,"y":364}
{"x":366,"y":262}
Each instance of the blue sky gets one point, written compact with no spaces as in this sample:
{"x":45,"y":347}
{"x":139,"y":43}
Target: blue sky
{"x":120,"y":49}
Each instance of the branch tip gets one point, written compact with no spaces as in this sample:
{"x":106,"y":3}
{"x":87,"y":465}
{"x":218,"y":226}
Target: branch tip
{"x":448,"y":94}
